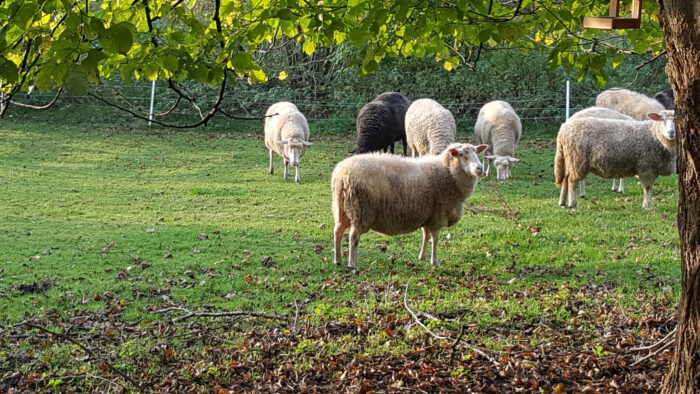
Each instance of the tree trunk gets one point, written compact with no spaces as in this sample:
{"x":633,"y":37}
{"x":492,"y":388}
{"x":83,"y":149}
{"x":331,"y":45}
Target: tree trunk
{"x":681,"y":23}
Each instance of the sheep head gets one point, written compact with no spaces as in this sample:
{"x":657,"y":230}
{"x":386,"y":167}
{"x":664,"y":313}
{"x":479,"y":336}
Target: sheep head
{"x":294,"y":150}
{"x":467,"y":155}
{"x":669,"y":127}
{"x":503,"y":165}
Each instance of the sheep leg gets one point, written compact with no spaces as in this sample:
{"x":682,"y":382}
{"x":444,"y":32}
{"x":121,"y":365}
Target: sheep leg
{"x":572,"y":193}
{"x":272,"y":169}
{"x":297,"y":174}
{"x":582,"y":189}
{"x":434,"y":234}
{"x":421,"y":254}
{"x":338,"y":232}
{"x":564,"y":193}
{"x":621,"y":186}
{"x":286,"y":168}
{"x":646,"y":187}
{"x":391,"y":148}
{"x":614,"y":185}
{"x":354,"y":246}
{"x":487,"y":165}
{"x":405,"y":144}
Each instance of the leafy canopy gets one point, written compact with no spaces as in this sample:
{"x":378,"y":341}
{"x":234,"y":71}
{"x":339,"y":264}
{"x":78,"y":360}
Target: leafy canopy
{"x":62,"y":43}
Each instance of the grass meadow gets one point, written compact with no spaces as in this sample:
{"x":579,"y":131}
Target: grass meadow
{"x":136,"y":220}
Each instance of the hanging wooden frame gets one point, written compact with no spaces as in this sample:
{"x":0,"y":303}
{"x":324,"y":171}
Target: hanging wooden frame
{"x":613,"y":20}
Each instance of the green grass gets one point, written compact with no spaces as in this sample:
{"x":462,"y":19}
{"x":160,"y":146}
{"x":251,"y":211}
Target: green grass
{"x":95,"y":218}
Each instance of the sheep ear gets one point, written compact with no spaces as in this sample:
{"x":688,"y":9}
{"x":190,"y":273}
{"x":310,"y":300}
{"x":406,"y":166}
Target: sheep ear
{"x":306,"y":143}
{"x":481,"y":148}
{"x":282,"y":142}
{"x":453,"y":152}
{"x":513,"y":160}
{"x":655,"y":116}
{"x":490,"y":157}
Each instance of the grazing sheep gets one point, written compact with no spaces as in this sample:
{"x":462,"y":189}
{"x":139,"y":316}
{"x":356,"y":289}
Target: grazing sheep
{"x":499,"y":127}
{"x":665,"y":97}
{"x":605,"y":113}
{"x":430,"y":128}
{"x":396,"y":195}
{"x":603,"y":147}
{"x":630,"y":103}
{"x":380,"y":123}
{"x":287,"y":134}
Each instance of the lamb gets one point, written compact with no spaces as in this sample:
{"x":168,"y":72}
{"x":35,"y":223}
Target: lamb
{"x":397,"y":195}
{"x":287,"y":134}
{"x":380,"y":123}
{"x":603,"y":147}
{"x":633,"y":104}
{"x":499,"y":127}
{"x":606,"y":113}
{"x":430,"y":128}
{"x":665,"y":97}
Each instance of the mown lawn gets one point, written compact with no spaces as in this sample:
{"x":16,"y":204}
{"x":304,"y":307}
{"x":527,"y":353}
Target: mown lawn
{"x":120,"y":223}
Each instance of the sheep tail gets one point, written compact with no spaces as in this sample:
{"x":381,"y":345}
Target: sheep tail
{"x":559,"y":161}
{"x":338,"y":192}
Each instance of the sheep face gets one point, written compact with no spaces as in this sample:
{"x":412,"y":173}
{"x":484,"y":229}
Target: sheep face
{"x":503,"y":165}
{"x":294,"y":150}
{"x":468,"y":158}
{"x":667,"y":116}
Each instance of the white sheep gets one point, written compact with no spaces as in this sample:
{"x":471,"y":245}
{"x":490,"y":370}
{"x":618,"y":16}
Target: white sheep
{"x":430,"y":127}
{"x":499,"y":127}
{"x":605,"y":113}
{"x":397,"y":195}
{"x":604,"y":147}
{"x":287,"y":134}
{"x":625,"y":101}
{"x":630,"y":103}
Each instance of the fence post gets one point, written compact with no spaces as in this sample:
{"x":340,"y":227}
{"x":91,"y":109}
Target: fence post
{"x":568,"y":98}
{"x":153,"y":96}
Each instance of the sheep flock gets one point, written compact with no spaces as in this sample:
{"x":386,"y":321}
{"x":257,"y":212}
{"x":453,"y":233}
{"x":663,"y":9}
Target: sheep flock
{"x":626,"y":134}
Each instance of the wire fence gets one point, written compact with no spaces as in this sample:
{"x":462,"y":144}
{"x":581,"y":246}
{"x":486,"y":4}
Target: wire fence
{"x":549,"y":107}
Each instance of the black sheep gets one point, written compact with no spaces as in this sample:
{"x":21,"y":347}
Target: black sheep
{"x":381,"y":122}
{"x":665,"y":97}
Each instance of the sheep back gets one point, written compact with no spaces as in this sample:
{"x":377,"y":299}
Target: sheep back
{"x":603,"y":147}
{"x":381,"y":122}
{"x":430,"y":127}
{"x":630,"y":103}
{"x":599,"y":112}
{"x":396,"y":195}
{"x":499,"y":127}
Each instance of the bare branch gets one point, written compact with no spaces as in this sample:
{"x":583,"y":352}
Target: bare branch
{"x":85,"y":349}
{"x":49,"y":104}
{"x":473,"y":348}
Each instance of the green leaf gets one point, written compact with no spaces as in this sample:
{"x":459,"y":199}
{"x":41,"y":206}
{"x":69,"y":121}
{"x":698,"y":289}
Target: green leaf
{"x":309,"y":47}
{"x":24,"y":17}
{"x":76,"y":81}
{"x":257,"y":76}
{"x":618,"y":59}
{"x":8,"y":71}
{"x":242,"y":62}
{"x":117,"y":38}
{"x":171,"y":63}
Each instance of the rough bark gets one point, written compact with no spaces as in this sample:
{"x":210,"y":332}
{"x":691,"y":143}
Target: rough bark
{"x":681,"y":22}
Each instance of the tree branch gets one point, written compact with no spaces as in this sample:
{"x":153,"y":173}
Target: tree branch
{"x":85,"y":349}
{"x":440,"y":337}
{"x":49,"y":104}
